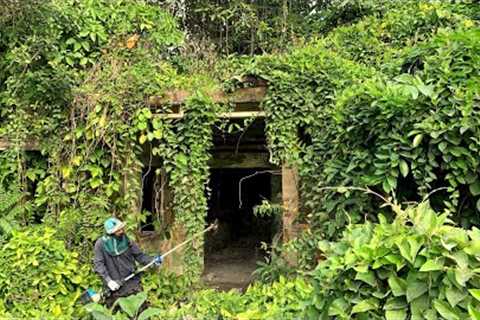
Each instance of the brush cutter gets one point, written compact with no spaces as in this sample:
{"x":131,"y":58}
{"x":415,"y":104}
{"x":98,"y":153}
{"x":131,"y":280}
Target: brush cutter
{"x":91,"y":296}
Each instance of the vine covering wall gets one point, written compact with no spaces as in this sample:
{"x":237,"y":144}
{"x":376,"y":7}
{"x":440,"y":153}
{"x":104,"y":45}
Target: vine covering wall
{"x":390,"y":103}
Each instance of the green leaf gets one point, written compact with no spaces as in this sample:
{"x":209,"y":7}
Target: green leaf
{"x":432,"y":265}
{"x":426,"y":90}
{"x":415,"y":289}
{"x":419,"y":306}
{"x":454,"y":295}
{"x":397,"y":285}
{"x":475,"y":188}
{"x":430,"y":314}
{"x":409,"y":248}
{"x":445,"y":310}
{"x":338,"y":307}
{"x":367,"y":277}
{"x":158,"y":134}
{"x":395,"y":314}
{"x":475,"y":293}
{"x":395,"y":304}
{"x":132,"y":304}
{"x":404,"y":168}
{"x":417,"y":140}
{"x":150,"y":312}
{"x":473,"y":312}
{"x":365,"y":305}
{"x":98,"y":311}
{"x":181,"y":159}
{"x":462,"y":275}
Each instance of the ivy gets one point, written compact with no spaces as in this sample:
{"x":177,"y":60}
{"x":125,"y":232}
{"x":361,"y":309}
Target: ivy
{"x":392,"y":109}
{"x":417,"y":266}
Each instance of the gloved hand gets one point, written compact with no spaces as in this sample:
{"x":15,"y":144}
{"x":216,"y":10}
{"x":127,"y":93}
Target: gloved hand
{"x":158,"y":260}
{"x":113,"y":285}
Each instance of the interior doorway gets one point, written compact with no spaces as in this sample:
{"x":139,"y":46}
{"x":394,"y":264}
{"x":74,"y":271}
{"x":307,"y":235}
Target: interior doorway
{"x":231,"y":253}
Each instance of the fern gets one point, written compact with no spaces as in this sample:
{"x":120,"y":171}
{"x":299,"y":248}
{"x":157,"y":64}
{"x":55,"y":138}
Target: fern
{"x":10,"y":210}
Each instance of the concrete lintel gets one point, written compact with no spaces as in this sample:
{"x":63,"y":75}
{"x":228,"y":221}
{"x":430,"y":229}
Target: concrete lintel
{"x":226,"y":115}
{"x":242,"y":95}
{"x":31,"y":145}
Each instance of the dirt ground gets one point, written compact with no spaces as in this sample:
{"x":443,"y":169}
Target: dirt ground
{"x":231,"y":267}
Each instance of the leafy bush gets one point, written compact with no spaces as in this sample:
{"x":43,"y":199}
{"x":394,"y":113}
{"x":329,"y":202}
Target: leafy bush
{"x":419,"y":266}
{"x":280,"y":300}
{"x":130,"y":309}
{"x":38,"y":276}
{"x":10,"y":210}
{"x":165,"y":288}
{"x":389,"y":102}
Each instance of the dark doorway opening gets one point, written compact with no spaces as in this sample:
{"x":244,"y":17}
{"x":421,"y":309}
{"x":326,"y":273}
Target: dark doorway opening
{"x":148,"y":197}
{"x":231,"y":253}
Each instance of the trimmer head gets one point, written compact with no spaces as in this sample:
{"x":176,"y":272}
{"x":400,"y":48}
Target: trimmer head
{"x":90,"y":296}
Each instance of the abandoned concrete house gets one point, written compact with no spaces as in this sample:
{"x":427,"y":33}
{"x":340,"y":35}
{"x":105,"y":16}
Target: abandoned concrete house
{"x":241,"y":177}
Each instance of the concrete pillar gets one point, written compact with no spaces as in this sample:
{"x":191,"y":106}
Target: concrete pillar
{"x":291,"y":203}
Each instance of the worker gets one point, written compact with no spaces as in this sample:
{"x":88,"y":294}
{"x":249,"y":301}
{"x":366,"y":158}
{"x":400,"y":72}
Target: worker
{"x":115,"y":259}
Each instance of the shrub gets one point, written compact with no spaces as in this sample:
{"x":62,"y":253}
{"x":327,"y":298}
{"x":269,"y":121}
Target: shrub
{"x":419,"y":266}
{"x":38,"y":276}
{"x":280,"y":300}
{"x":131,"y":308}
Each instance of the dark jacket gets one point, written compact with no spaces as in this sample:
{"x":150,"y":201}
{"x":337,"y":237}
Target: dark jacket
{"x":119,"y":267}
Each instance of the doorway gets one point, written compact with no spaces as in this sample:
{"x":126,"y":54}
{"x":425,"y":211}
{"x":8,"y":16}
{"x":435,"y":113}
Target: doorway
{"x":232,"y":252}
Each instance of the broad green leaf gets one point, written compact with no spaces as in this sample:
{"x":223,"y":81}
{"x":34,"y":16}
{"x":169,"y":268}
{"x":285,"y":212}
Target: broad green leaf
{"x":454,"y":295}
{"x":426,"y":90}
{"x":404,"y":168}
{"x":365,"y":305}
{"x":338,"y":307}
{"x":98,"y":311}
{"x":395,"y":259}
{"x":475,"y":293}
{"x":149,"y":313}
{"x":474,"y":312}
{"x":367,"y":277}
{"x":395,"y":304}
{"x":414,"y":247}
{"x":395,"y":314}
{"x":445,"y":310}
{"x":419,"y":306}
{"x":475,"y":188}
{"x":415,"y":289}
{"x":417,"y":140}
{"x":432,"y":265}
{"x":397,"y":285}
{"x":430,"y":314}
{"x":409,"y":248}
{"x":182,"y":159}
{"x":132,"y":304}
{"x":462,"y":275}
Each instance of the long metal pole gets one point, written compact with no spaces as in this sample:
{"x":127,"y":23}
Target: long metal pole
{"x":170,"y":251}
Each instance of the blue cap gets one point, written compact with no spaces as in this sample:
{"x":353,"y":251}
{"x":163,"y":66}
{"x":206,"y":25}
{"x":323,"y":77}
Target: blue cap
{"x":112,"y":225}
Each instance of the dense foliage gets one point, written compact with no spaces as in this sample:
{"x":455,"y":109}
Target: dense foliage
{"x":39,"y":277}
{"x":284,"y":299}
{"x":418,"y":266}
{"x":385,"y":103}
{"x":378,"y":94}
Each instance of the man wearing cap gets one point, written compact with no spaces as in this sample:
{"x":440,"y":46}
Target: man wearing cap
{"x":115,"y":259}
